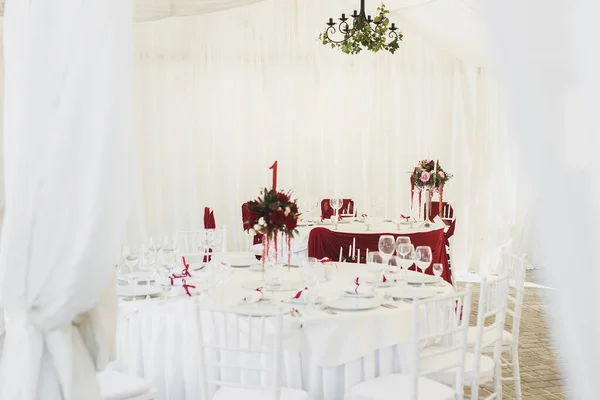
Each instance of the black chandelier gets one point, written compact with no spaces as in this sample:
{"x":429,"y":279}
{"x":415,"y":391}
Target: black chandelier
{"x":374,"y":34}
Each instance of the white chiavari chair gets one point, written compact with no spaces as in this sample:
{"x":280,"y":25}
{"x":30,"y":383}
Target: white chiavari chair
{"x":117,"y":386}
{"x":482,"y":369}
{"x":242,"y":356}
{"x":515,"y":267}
{"x":435,"y":321}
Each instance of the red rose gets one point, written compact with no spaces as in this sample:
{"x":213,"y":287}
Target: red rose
{"x":277,"y":217}
{"x":294,"y":208}
{"x":291,"y":222}
{"x":282,"y":197}
{"x":247,"y":217}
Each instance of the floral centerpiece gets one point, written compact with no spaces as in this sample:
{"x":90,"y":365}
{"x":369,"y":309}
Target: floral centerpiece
{"x":428,"y":174}
{"x":273,"y":212}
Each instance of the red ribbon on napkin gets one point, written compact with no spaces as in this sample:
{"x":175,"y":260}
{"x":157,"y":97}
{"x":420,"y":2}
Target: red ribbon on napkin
{"x":356,"y":281}
{"x":186,"y":270}
{"x":364,"y":215}
{"x":297,"y":296}
{"x":384,"y":280}
{"x":259,"y":290}
{"x":187,"y":287}
{"x":406,"y":217}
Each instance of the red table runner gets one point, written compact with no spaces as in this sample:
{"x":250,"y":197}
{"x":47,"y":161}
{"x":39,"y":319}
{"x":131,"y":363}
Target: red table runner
{"x":323,"y":242}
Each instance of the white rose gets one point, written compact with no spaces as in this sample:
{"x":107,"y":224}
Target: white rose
{"x":261,"y":221}
{"x":257,"y":227}
{"x":252,"y":232}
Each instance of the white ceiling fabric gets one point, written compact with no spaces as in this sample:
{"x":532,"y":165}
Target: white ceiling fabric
{"x":451,"y":23}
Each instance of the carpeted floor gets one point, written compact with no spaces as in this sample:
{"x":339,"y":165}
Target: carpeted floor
{"x":540,"y":377}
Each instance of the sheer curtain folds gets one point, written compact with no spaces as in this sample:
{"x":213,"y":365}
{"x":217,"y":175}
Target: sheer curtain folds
{"x":67,"y":139}
{"x":219,"y":97}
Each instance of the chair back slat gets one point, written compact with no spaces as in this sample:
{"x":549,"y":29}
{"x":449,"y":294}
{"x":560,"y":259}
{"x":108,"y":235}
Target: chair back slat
{"x":438,"y":327}
{"x":515,"y":267}
{"x":240,"y":351}
{"x":492,"y":305}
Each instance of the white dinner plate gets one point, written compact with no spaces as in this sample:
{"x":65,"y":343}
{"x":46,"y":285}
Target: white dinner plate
{"x":354,"y":304}
{"x":138,"y":290}
{"x":413,"y":293}
{"x":359,"y":295}
{"x":141,"y":277}
{"x":286,"y":286}
{"x":236,"y":259}
{"x":416,"y":278}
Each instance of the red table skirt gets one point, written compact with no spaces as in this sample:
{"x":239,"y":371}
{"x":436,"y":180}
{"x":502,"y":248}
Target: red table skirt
{"x":324,"y":242}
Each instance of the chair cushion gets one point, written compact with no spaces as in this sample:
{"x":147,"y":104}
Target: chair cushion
{"x":117,"y":386}
{"x":486,"y":366}
{"x":398,"y":387}
{"x":227,"y":393}
{"x":488,"y":336}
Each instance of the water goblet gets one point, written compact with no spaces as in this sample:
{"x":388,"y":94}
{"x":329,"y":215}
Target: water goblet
{"x":423,"y":258}
{"x":387,"y":246}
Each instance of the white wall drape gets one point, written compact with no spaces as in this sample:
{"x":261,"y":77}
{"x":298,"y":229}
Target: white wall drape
{"x":220,"y":96}
{"x":66,"y":133}
{"x":550,"y":62}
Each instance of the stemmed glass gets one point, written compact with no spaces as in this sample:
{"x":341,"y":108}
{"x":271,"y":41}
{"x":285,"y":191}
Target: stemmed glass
{"x":423,"y":259}
{"x":309,"y":274}
{"x":437,"y":270}
{"x":387,"y":246}
{"x":402,"y":240}
{"x":132,"y":259}
{"x":404,"y":252}
{"x":169,"y":247}
{"x":336,"y":204}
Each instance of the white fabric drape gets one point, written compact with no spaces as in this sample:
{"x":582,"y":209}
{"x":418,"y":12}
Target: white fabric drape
{"x":146,"y":10}
{"x":550,"y":61}
{"x":221,"y":96}
{"x":67,"y":135}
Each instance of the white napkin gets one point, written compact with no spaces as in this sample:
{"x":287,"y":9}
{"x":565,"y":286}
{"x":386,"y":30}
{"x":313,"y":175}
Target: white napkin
{"x":253,"y":297}
{"x":360,"y":289}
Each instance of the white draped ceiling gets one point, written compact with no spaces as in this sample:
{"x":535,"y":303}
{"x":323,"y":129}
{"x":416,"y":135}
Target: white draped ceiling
{"x":221,"y":96}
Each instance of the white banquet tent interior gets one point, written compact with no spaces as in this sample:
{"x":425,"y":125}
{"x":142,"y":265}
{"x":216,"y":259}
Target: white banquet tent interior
{"x":220,"y":96}
{"x":220,"y":90}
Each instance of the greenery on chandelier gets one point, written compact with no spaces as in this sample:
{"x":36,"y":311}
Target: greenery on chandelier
{"x":361,"y":35}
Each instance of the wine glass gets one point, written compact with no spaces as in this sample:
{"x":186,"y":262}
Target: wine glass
{"x":387,"y":246}
{"x":336,"y":204}
{"x":310,"y":274}
{"x":402,"y":240}
{"x":169,"y":246}
{"x":423,"y":258}
{"x":154,"y":245}
{"x":404,"y":252}
{"x":437,"y":270}
{"x":377,"y":261}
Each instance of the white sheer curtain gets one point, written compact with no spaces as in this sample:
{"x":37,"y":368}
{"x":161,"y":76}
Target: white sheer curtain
{"x":67,"y":131}
{"x":221,"y":96}
{"x":550,"y":60}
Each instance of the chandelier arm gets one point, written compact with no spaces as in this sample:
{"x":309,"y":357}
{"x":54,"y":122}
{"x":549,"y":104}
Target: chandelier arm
{"x":331,"y":31}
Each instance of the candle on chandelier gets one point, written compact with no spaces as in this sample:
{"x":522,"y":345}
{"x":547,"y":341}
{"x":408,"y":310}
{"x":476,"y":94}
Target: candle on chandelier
{"x":353,"y":247}
{"x":350,"y":251}
{"x":358,"y":258}
{"x":340,"y":258}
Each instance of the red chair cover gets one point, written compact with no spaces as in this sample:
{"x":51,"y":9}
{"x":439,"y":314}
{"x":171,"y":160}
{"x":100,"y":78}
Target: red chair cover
{"x":327,"y":211}
{"x":209,"y":219}
{"x":435,"y":208}
{"x":323,"y":242}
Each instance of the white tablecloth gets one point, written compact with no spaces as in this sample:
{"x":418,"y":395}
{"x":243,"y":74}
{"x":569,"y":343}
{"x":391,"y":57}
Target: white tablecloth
{"x":324,"y":354}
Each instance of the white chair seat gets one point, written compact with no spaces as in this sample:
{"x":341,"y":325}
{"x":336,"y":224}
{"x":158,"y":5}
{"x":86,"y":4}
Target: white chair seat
{"x":229,"y":393}
{"x":488,"y":337}
{"x":117,"y":386}
{"x":486,"y":366}
{"x":397,"y":387}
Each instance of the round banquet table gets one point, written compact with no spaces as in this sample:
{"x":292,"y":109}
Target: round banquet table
{"x":325,"y":241}
{"x":324,"y":354}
